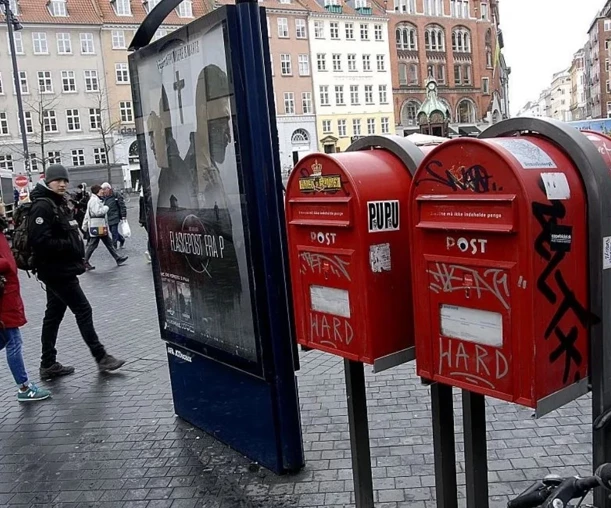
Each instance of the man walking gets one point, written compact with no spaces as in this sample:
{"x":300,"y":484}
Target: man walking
{"x":59,"y":259}
{"x":117,"y":212}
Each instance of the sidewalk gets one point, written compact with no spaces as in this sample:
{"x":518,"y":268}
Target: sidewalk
{"x":114,"y":441}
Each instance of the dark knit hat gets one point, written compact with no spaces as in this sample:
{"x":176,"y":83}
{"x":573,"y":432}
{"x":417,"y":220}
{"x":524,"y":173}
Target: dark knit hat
{"x":56,"y":172}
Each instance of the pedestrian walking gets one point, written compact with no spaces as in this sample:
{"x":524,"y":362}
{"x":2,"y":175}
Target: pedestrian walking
{"x":117,"y":212}
{"x":96,"y":225}
{"x":59,"y":253}
{"x":144,"y":224}
{"x":12,"y":317}
{"x":81,"y":198}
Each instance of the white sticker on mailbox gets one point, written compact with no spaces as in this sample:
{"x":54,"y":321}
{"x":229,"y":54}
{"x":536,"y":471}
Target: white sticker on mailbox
{"x":472,"y":325}
{"x":529,"y":155}
{"x":383,"y":216}
{"x":330,"y":300}
{"x":379,"y":257}
{"x":606,"y":252}
{"x":556,"y":186}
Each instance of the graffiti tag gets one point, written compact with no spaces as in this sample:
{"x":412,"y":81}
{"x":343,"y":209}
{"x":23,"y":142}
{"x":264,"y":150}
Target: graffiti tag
{"x":474,"y":178}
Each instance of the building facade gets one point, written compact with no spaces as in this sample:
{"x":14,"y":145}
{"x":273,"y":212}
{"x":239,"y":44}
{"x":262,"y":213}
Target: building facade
{"x":599,"y":41}
{"x":531,"y":109}
{"x":578,"y":90}
{"x":561,"y":96}
{"x":350,"y":72}
{"x":457,"y":42}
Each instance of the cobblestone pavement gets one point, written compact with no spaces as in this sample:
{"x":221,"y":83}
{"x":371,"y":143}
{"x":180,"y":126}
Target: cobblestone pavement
{"x":114,"y":441}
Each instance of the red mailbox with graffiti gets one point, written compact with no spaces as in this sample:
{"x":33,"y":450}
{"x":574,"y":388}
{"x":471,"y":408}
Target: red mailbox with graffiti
{"x":347,"y":231}
{"x":500,"y":270}
{"x":602,"y":144}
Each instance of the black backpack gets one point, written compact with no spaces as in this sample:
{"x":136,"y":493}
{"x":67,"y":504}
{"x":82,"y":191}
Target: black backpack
{"x":22,"y":251}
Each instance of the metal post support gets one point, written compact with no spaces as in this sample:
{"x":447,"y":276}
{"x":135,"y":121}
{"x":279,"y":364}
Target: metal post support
{"x":476,"y":458}
{"x":595,"y":177}
{"x":442,"y":410}
{"x":359,"y":433}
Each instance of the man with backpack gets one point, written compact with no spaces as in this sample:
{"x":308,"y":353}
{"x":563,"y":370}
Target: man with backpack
{"x":55,"y":251}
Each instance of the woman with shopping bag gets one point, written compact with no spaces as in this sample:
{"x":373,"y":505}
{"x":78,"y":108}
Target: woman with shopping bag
{"x":95,"y":224}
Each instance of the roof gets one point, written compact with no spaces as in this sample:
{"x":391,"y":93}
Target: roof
{"x":432,"y":103}
{"x":139,"y":13}
{"x":295,"y":5}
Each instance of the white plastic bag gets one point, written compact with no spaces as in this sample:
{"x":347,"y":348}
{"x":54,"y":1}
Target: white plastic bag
{"x":124,"y":229}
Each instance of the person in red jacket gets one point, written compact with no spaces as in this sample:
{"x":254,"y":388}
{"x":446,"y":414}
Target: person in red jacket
{"x":12,"y":316}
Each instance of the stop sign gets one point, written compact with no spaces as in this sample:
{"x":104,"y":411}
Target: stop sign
{"x":21,"y":181}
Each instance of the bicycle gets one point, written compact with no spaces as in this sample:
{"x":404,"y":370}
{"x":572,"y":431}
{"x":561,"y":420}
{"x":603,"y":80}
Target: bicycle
{"x":556,"y":492}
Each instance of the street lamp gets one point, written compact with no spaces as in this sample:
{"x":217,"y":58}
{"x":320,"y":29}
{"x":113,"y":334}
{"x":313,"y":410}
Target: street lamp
{"x":13,"y":24}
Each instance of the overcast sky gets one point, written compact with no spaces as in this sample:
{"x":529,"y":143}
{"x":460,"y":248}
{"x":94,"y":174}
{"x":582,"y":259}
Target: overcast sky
{"x":540,"y":38}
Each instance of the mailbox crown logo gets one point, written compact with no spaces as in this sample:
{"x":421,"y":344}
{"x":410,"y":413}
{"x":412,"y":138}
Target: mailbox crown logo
{"x":316,"y":168}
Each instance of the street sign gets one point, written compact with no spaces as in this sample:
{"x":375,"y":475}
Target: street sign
{"x":21,"y":181}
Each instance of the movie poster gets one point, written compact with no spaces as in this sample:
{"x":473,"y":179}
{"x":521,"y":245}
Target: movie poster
{"x":186,"y":98}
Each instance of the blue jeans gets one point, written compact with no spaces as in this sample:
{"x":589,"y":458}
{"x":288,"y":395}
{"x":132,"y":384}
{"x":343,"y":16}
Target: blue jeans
{"x":11,"y":339}
{"x":116,"y":236}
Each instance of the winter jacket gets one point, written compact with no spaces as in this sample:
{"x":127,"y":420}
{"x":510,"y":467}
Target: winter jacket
{"x":116,"y":208}
{"x":95,"y":209}
{"x":12,"y":313}
{"x":54,"y":236}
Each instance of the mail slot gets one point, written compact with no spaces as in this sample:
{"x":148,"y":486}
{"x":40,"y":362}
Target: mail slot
{"x":347,"y":221}
{"x":500,"y":269}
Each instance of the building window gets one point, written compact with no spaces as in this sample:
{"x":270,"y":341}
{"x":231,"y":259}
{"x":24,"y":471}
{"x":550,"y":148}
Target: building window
{"x":1,"y":86}
{"x":368,"y":94}
{"x":412,"y":74}
{"x":409,"y":112}
{"x":608,"y":109}
{"x":14,"y":7}
{"x":95,"y":119}
{"x":87,"y":47}
{"x":321,"y":61}
{"x":381,"y":63}
{"x":29,"y":124}
{"x":459,"y":8}
{"x":371,"y":126}
{"x":68,"y":82}
{"x":466,"y":111}
{"x":337,"y":63}
{"x":289,"y":103}
{"x":354,"y":95}
{"x":6,"y":162}
{"x":326,"y":126}
{"x":341,"y":128}
{"x":3,"y":124}
{"x":54,"y":157}
{"x":18,"y":43}
{"x":383,"y":92}
{"x":122,"y":7}
{"x":484,"y":11}
{"x":486,"y":85}
{"x":367,"y":63}
{"x":121,"y":73}
{"x":285,"y":65}
{"x":185,"y":9}
{"x":407,"y":6}
{"x":434,"y":38}
{"x":300,"y":29}
{"x":304,"y":65}
{"x":461,"y":40}
{"x":334,"y":29}
{"x":73,"y":120}
{"x":306,"y":103}
{"x":351,"y":63}
{"x":99,"y":156}
{"x":45,"y":83}
{"x":150,"y":4}
{"x":467,"y":75}
{"x":49,"y":120}
{"x":39,"y":42}
{"x":23,"y":82}
{"x":350,"y":31}
{"x":91,"y":81}
{"x":433,"y":7}
{"x":118,"y":39}
{"x":324,"y":95}
{"x":407,"y":38}
{"x":319,"y":29}
{"x":58,"y":8}
{"x":364,"y":32}
{"x":608,"y":86}
{"x":339,"y":95}
{"x":283,"y":28}
{"x":385,"y":125}
{"x":78,"y":157}
{"x":125,"y":110}
{"x":33,"y":162}
{"x":356,"y":126}
{"x":64,"y":44}
{"x":378,"y":33}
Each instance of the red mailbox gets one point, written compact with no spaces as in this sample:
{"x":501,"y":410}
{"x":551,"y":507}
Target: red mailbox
{"x":500,"y":270}
{"x":602,"y":144}
{"x":347,"y":219}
